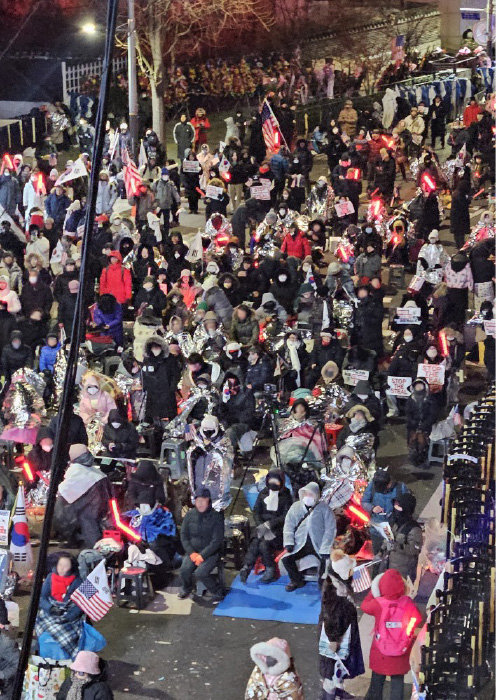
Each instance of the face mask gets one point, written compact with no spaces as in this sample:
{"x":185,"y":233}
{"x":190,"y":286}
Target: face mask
{"x":408,"y":338}
{"x":33,"y":279}
{"x":92,"y":390}
{"x":47,"y":448}
{"x":148,"y":287}
{"x":285,"y":196}
{"x":282,"y":212}
{"x":115,"y":425}
{"x":274,"y":485}
{"x":363,"y":397}
{"x":6,"y":173}
{"x":165,"y":178}
{"x":156,"y":351}
{"x":177,"y":255}
{"x":135,"y":370}
{"x":357,"y":423}
{"x":175,"y":300}
{"x":16,"y":344}
{"x":282,"y":278}
{"x":432,"y":353}
{"x":211,"y":332}
{"x":308,"y":501}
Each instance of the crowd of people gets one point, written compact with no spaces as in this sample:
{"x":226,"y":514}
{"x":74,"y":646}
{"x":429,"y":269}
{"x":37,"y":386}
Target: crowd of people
{"x":277,"y":303}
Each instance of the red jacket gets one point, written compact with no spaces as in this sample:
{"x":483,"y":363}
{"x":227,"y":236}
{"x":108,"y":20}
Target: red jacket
{"x":116,"y":280}
{"x":297,"y":247}
{"x":375,"y":147}
{"x":385,"y":665}
{"x":470,"y":114}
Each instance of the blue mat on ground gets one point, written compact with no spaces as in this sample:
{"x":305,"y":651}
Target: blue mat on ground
{"x":259,"y":601}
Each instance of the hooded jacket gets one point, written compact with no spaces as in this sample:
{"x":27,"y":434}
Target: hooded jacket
{"x":203,"y":532}
{"x":408,"y":538}
{"x":124,"y":438}
{"x":145,"y":486}
{"x":320,"y":525}
{"x":9,"y":297}
{"x":244,"y":332}
{"x":116,"y":280}
{"x":36,"y":296}
{"x":13,"y":359}
{"x":297,"y":246}
{"x":91,"y":405}
{"x":269,"y":298}
{"x":161,"y":376}
{"x":276,"y":518}
{"x":217,"y":301}
{"x":275,"y":681}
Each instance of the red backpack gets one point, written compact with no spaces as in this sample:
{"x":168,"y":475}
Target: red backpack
{"x":394,"y":630}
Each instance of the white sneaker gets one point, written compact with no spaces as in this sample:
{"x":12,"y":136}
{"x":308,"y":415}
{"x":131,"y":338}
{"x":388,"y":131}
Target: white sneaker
{"x":392,"y":414}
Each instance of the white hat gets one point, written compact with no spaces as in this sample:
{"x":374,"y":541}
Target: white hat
{"x":233,"y":347}
{"x":434,"y":235}
{"x":212,"y":267}
{"x":209,"y":422}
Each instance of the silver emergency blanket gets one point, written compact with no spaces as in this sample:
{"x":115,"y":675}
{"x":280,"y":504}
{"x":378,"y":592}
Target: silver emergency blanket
{"x":219,"y":458}
{"x":175,"y":428}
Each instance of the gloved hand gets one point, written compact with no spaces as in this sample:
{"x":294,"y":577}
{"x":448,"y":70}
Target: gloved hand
{"x":289,"y":548}
{"x":196,"y":558}
{"x":262,"y":529}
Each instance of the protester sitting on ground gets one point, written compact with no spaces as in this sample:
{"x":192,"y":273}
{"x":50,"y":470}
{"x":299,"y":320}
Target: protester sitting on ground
{"x":87,"y":680}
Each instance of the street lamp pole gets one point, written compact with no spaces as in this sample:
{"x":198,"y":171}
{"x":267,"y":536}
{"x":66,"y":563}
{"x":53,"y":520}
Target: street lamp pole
{"x":131,"y":75}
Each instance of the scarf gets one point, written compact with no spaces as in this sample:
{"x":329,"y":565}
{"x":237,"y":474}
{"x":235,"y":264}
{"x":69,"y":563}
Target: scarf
{"x":78,"y":480}
{"x":272,"y":501}
{"x":295,"y":361}
{"x":76,"y":688}
{"x":59,"y":586}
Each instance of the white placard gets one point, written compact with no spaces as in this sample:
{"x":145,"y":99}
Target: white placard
{"x":344,"y":208}
{"x":4,"y":527}
{"x":260,"y":192}
{"x":408,"y":314}
{"x":353,"y":376}
{"x":434,"y":374}
{"x":490,"y":327}
{"x":191,"y":166}
{"x":214,"y":192}
{"x":399,"y":386}
{"x":416,"y":283}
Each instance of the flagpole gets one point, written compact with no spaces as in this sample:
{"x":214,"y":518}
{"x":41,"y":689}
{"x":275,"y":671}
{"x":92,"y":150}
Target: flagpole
{"x":277,"y":122}
{"x":59,"y":451}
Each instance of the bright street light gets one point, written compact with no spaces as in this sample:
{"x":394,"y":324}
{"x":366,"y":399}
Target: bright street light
{"x":89,"y":28}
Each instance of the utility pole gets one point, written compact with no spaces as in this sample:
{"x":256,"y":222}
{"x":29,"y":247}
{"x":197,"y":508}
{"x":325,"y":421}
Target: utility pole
{"x":489,"y":27}
{"x":131,"y":76}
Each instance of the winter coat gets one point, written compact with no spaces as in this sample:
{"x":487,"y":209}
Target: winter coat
{"x":420,"y":415}
{"x":48,"y":355}
{"x":96,"y":688}
{"x":66,"y":311}
{"x":217,"y":301}
{"x":279,"y":166}
{"x":145,"y":486}
{"x":460,"y":213}
{"x":406,"y":548}
{"x":371,"y":498}
{"x":9,"y":657}
{"x":320,"y":526}
{"x":33,"y":331}
{"x":116,"y":280}
{"x":183,"y":135}
{"x":76,"y":435}
{"x":161,"y":376}
{"x":144,"y":327}
{"x":368,"y":265}
{"x":203,"y":532}
{"x":13,"y":359}
{"x":321,"y":354}
{"x":239,"y":409}
{"x":436,"y":116}
{"x":56,"y":207}
{"x":259,"y":374}
{"x":296,"y":246}
{"x":166,"y":194}
{"x":401,"y":365}
{"x":31,"y":199}
{"x":384,"y":665}
{"x":283,"y":291}
{"x":113,"y":320}
{"x":368,"y":324}
{"x":105,"y":198}
{"x":10,"y":195}
{"x":384,"y":175}
{"x":7,"y":324}
{"x":125,"y":438}
{"x":101,"y":403}
{"x":154,"y":298}
{"x":36,"y":296}
{"x":345,"y":279}
{"x":480,"y":264}
{"x":61,"y":285}
{"x":244,"y":332}
{"x":277,"y":517}
{"x":7,"y":296}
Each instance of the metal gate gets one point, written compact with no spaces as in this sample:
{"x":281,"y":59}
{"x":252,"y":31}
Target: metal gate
{"x":73,"y":76}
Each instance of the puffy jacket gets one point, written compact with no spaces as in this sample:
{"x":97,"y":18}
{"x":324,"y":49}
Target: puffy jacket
{"x":124,"y":438}
{"x":259,"y":374}
{"x":279,"y":166}
{"x":420,"y":415}
{"x":245,"y":332}
{"x":13,"y":359}
{"x":56,"y":207}
{"x":36,"y":296}
{"x":368,"y":324}
{"x":203,"y":532}
{"x":105,"y":198}
{"x":48,"y":355}
{"x":165,"y":194}
{"x":296,"y":246}
{"x":239,"y":409}
{"x":217,"y":301}
{"x":10,"y":194}
{"x":116,"y":280}
{"x":7,"y":296}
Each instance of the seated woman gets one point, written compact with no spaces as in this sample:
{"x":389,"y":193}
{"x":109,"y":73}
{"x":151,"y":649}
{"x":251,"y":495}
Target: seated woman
{"x":107,"y":315}
{"x":299,"y":437}
{"x":60,"y":621}
{"x":120,"y":438}
{"x":271,"y":506}
{"x":88,"y":679}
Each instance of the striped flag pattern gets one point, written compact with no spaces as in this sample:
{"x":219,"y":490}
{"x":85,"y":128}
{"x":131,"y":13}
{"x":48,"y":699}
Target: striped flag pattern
{"x":361,"y":578}
{"x":132,"y":178}
{"x":20,"y":545}
{"x":93,"y":595}
{"x":270,"y":127}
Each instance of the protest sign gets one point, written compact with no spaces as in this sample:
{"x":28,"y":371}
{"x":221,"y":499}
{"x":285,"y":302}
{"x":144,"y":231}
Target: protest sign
{"x":408,"y":315}
{"x":260,"y":192}
{"x":4,"y":527}
{"x":353,"y":376}
{"x":344,"y":208}
{"x":399,"y":386}
{"x":434,"y":374}
{"x":214,"y":192}
{"x":490,"y":327}
{"x":191,"y":166}
{"x":416,"y":283}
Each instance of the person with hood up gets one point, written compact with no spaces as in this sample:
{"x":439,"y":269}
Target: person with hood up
{"x":217,"y":301}
{"x":15,"y":355}
{"x":183,"y":135}
{"x":359,"y":421}
{"x":107,"y":315}
{"x":402,"y":554}
{"x":116,"y":279}
{"x":309,"y":528}
{"x":161,"y":374}
{"x":143,"y":265}
{"x":149,"y":295}
{"x":340,"y":650}
{"x":388,"y":602}
{"x":378,"y":500}
{"x":10,"y":268}
{"x":459,"y":280}
{"x":145,"y":486}
{"x":363,"y":394}
{"x":326,"y":348}
{"x":284,"y":287}
{"x":188,"y":287}
{"x":8,"y":323}
{"x":34,"y":329}
{"x":270,"y":312}
{"x":166,"y":196}
{"x":39,"y":245}
{"x":313,"y":310}
{"x":8,"y":297}
{"x":202,"y":537}
{"x":432,"y":259}
{"x":420,"y":415}
{"x":296,"y":244}
{"x":367,"y":319}
{"x":338,"y":279}
{"x":56,"y":205}
{"x":348,"y":118}
{"x":88,"y":680}
{"x":229,"y":283}
{"x":36,"y":295}
{"x":274,"y":676}
{"x":269,"y":512}
{"x":244,"y":326}
{"x":96,"y":401}
{"x":460,"y":212}
{"x":237,"y":412}
{"x":259,"y":371}
{"x":368,"y":264}
{"x":83,"y":496}
{"x":120,"y":437}
{"x":216,"y":203}
{"x":67,"y":306}
{"x":61,"y":284}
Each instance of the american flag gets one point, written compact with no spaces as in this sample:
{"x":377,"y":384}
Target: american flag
{"x":270,"y":127}
{"x":132,"y":178}
{"x":93,"y":595}
{"x":361,"y":578}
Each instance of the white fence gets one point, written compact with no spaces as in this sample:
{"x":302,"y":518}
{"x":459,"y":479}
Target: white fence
{"x":74,"y":76}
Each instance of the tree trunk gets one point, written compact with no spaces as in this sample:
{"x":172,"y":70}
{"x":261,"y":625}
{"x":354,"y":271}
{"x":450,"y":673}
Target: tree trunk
{"x":157,"y":80}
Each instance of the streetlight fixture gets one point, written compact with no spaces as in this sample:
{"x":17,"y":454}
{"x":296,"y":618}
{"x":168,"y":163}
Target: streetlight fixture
{"x":89,"y":28}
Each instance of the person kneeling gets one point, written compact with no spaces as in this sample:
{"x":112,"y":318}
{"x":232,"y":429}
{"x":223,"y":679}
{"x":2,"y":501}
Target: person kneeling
{"x":309,"y":528}
{"x":270,"y":510}
{"x":202,"y":536}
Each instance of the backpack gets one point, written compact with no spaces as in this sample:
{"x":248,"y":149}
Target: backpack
{"x":394,"y":631}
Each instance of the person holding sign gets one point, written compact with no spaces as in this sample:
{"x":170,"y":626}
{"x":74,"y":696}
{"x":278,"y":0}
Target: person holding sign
{"x":420,"y":415}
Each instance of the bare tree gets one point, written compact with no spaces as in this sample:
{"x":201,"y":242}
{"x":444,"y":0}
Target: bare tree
{"x":167,"y":29}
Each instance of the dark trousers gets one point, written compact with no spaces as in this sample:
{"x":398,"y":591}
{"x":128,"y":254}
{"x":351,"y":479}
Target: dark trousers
{"x":190,"y":573}
{"x":165,"y":213}
{"x":377,"y":685}
{"x":290,"y":560}
{"x":266,"y":549}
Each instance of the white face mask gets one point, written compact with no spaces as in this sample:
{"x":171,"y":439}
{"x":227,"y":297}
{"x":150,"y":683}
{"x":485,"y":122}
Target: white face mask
{"x":177,"y":255}
{"x":362,"y":397}
{"x":432,"y":353}
{"x":33,"y":279}
{"x":408,"y":338}
{"x":16,"y":344}
{"x":308,"y":501}
{"x":47,"y":448}
{"x":148,"y":287}
{"x":165,"y":178}
{"x":156,"y":351}
{"x":282,"y":278}
{"x":116,"y":426}
{"x":92,"y":390}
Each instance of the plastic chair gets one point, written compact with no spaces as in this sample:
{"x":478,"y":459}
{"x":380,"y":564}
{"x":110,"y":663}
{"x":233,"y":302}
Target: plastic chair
{"x":134,"y":586}
{"x":332,"y":431}
{"x":442,"y":446}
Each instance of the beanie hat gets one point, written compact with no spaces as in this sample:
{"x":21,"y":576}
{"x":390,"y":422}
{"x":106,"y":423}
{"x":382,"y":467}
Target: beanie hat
{"x":86,"y":662}
{"x":276,"y":651}
{"x":203,"y":492}
{"x":76,"y":451}
{"x":164,"y":171}
{"x":185,"y":273}
{"x":202,"y":305}
{"x":233,"y":347}
{"x":210,"y":316}
{"x":391,"y":585}
{"x":209,"y":422}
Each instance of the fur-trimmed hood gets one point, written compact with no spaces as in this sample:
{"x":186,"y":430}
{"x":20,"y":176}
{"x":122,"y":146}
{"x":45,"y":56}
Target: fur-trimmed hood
{"x":275,"y":649}
{"x":156,"y":340}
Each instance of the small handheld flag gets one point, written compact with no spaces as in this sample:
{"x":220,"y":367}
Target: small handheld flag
{"x":93,"y":595}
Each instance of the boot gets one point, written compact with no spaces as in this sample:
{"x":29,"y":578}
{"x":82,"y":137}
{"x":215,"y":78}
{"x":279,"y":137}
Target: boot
{"x":243,"y":574}
{"x":270,"y":575}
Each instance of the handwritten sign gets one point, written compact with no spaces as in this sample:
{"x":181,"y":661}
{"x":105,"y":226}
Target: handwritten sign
{"x":344,"y":208}
{"x":490,"y":327}
{"x":191,"y":166}
{"x":4,"y":527}
{"x":260,"y":192}
{"x":214,"y":192}
{"x":416,"y":283}
{"x":408,"y":315}
{"x":434,"y":374}
{"x":399,"y":386}
{"x":353,"y":376}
